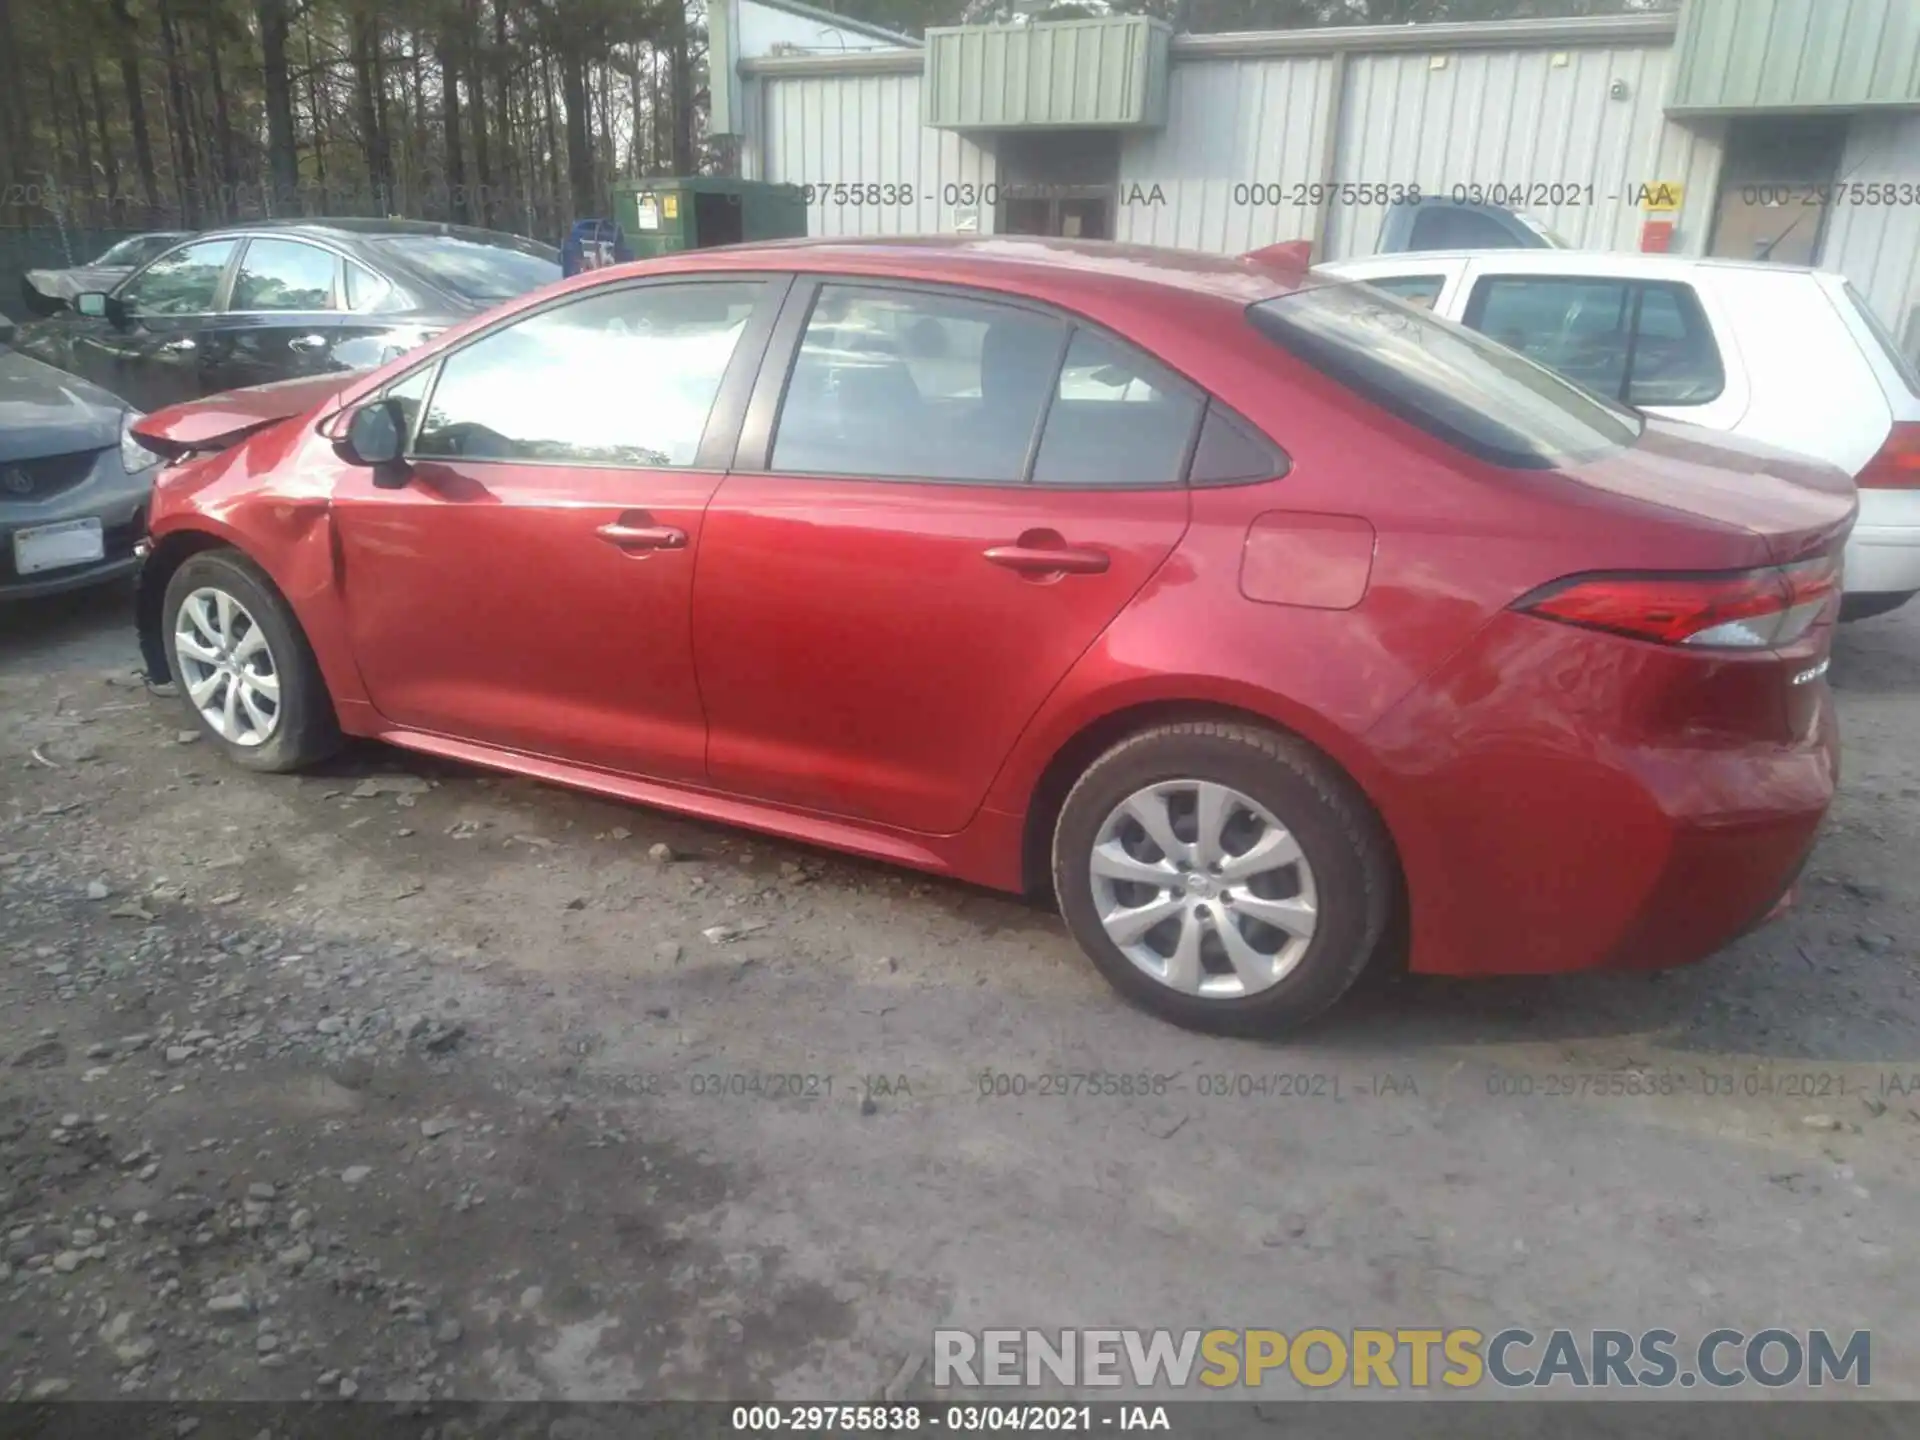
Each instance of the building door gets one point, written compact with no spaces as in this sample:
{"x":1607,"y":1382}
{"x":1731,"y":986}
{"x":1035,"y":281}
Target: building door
{"x":1059,"y":183}
{"x":1773,"y":202}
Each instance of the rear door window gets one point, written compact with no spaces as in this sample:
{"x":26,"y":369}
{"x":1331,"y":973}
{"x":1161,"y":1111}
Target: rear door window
{"x":917,"y":385}
{"x":283,"y":275}
{"x":1117,"y":419}
{"x":1645,"y":343}
{"x":1577,"y":326}
{"x":1470,"y":392}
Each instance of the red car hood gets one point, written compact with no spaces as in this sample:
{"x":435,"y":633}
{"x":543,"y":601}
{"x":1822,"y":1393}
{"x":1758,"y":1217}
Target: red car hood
{"x":223,"y":420}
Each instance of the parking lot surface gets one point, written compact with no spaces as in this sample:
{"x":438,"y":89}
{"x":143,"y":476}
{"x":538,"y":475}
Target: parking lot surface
{"x":403,"y":1080}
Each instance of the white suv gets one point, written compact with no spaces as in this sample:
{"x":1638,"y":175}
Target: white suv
{"x":1776,"y":353}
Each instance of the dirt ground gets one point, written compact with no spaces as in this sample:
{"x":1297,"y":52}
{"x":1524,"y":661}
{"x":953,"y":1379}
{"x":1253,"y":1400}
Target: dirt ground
{"x":408,"y":1081}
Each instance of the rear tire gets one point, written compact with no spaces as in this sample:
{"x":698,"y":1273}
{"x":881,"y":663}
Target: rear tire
{"x":243,"y":666}
{"x":1253,"y":940}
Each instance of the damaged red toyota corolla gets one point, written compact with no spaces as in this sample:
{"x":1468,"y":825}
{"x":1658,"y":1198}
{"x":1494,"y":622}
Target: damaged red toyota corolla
{"x":1276,"y":626}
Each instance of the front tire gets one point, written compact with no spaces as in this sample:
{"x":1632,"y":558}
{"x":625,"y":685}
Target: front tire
{"x":243,"y":667}
{"x":1224,"y":877}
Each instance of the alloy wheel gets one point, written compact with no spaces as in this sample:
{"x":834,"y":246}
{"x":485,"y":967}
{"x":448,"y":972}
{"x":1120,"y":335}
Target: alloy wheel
{"x":1203,"y":889}
{"x":227,"y":667}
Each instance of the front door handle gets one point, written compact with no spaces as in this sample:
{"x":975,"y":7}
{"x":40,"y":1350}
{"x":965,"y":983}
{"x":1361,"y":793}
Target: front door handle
{"x":1031,"y":559}
{"x":642,"y":537}
{"x":307,"y":344}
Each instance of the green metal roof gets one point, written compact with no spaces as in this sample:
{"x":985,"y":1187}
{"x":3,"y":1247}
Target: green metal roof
{"x":1082,"y":74}
{"x":1757,"y":55}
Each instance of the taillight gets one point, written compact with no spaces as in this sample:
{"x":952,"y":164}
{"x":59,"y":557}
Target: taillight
{"x":1897,"y":466}
{"x":1748,"y":610}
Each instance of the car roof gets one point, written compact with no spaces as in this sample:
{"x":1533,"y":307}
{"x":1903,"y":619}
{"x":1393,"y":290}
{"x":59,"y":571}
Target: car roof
{"x":361,"y":227}
{"x":1008,"y":261}
{"x":1590,"y":262}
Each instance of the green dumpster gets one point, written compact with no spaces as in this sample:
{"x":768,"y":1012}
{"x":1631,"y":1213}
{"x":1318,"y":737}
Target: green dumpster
{"x":696,"y":212}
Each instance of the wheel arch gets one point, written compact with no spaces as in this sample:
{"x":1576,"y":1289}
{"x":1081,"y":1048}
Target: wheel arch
{"x":169,"y":553}
{"x":1099,"y":734}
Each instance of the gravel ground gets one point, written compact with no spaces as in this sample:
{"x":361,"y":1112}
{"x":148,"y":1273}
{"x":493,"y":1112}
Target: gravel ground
{"x":407,"y":1081}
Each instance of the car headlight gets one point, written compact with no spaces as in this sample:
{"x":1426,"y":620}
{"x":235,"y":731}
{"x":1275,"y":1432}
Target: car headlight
{"x":134,"y":457}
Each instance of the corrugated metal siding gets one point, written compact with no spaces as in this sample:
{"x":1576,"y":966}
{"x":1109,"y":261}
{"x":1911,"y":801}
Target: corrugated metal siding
{"x":1797,"y":54}
{"x":1516,"y":118}
{"x":1878,"y":246}
{"x":1488,"y":117}
{"x":1074,"y":73}
{"x":1229,"y":124}
{"x":864,"y":129}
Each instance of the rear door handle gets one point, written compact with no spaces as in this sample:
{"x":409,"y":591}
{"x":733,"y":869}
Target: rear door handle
{"x":642,"y":537}
{"x":1050,"y":559}
{"x":307,"y":344}
{"x":177,"y":347}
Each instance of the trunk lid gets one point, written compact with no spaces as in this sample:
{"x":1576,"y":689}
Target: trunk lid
{"x":223,"y":420}
{"x":1795,"y":506}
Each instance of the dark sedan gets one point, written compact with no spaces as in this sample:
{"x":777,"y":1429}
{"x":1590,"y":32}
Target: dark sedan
{"x":74,"y":483}
{"x":47,"y":292}
{"x":281,"y":301}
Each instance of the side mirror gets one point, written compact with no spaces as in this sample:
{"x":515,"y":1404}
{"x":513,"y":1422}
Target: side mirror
{"x":90,"y":303}
{"x":377,"y":437}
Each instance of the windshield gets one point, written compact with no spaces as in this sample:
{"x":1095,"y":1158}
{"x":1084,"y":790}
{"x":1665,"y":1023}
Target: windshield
{"x":483,"y":271}
{"x":1554,"y":239}
{"x":1474,"y":394}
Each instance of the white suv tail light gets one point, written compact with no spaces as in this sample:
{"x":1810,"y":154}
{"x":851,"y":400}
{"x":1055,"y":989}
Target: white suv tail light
{"x":1897,"y":466}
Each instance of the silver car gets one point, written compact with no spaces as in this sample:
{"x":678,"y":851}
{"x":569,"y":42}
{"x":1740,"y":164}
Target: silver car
{"x":74,"y":483}
{"x":46,"y":292}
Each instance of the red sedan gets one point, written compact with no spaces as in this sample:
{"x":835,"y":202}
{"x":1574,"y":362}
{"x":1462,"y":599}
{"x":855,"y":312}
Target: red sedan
{"x":1276,"y":625}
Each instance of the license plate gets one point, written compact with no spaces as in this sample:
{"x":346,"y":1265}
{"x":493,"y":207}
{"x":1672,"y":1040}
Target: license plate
{"x":51,"y":547}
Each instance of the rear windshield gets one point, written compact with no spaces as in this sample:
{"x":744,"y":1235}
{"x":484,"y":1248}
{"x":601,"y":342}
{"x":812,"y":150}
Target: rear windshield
{"x":1476,"y":395}
{"x":479,"y":270}
{"x":1909,"y":376}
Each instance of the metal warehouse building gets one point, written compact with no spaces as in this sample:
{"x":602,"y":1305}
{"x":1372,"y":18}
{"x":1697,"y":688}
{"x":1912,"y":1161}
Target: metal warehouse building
{"x":1732,"y":125}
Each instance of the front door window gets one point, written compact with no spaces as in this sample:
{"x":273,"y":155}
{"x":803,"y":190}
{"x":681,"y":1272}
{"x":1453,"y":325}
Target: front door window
{"x":183,"y":283}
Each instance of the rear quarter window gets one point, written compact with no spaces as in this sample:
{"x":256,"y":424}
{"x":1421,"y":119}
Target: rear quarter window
{"x":1421,"y":290}
{"x":1479,"y":397}
{"x":1909,"y":374}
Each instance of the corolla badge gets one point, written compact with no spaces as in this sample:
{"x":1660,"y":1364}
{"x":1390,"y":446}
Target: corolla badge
{"x":16,"y":481}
